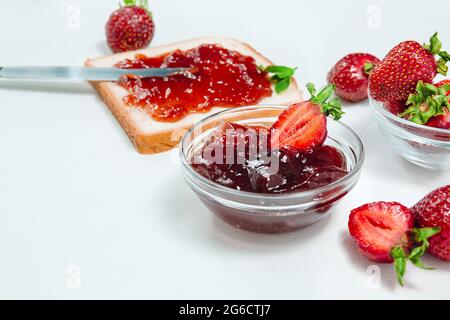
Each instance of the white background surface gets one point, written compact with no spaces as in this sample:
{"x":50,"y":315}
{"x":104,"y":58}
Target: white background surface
{"x":74,"y":192}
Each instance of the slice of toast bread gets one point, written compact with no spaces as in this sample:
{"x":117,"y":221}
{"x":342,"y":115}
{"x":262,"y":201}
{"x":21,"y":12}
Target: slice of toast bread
{"x":151,"y":136}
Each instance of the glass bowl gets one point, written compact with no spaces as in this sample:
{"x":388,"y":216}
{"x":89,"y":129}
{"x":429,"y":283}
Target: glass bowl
{"x":422,"y":145}
{"x":269,"y":213}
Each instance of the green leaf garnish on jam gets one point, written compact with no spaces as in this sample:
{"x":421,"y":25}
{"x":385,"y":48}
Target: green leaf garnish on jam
{"x":281,"y":76}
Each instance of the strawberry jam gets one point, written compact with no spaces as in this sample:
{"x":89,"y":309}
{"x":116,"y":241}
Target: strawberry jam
{"x":222,"y":78}
{"x":237,"y":156}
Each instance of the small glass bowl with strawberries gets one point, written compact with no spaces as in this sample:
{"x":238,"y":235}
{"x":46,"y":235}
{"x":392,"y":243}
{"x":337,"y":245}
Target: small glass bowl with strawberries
{"x":272,"y":169}
{"x":411,"y":108}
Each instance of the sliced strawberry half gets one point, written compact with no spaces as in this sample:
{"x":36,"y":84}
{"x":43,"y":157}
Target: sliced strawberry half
{"x":304,"y":125}
{"x":384,"y":232}
{"x":379,"y":227}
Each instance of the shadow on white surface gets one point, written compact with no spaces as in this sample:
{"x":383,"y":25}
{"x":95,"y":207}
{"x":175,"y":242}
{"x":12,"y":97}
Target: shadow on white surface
{"x":192,"y":222}
{"x":103,"y":49}
{"x":242,"y":239}
{"x":46,"y":86}
{"x":388,"y":277}
{"x":436,"y":263}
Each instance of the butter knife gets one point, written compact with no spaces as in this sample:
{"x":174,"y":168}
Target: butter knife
{"x":83,"y":73}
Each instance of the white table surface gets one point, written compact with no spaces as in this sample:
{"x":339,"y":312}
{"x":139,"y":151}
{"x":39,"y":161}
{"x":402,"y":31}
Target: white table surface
{"x":77,"y":200}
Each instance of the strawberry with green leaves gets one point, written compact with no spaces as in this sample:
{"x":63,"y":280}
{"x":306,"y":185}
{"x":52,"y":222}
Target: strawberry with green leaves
{"x":429,"y":105}
{"x":434,"y":211}
{"x":304,"y":125}
{"x":385,"y":233}
{"x":396,"y":77}
{"x":350,"y":75}
{"x":131,"y":27}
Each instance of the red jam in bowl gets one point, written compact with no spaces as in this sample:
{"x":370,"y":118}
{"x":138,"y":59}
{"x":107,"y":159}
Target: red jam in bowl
{"x":237,"y":157}
{"x":222,"y":78}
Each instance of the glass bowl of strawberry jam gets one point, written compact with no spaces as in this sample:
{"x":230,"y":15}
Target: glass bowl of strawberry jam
{"x":228,"y":163}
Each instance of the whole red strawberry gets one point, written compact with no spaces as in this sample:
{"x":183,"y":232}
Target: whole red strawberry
{"x":434,"y":211}
{"x":131,"y":27}
{"x":350,"y":75}
{"x":396,"y":77}
{"x":395,"y":107}
{"x":385,"y":233}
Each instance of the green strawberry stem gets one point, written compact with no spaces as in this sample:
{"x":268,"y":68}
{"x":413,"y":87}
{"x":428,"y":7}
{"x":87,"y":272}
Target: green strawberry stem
{"x":435,"y":47}
{"x":282,"y":76}
{"x":419,"y":237}
{"x":429,"y":101}
{"x":400,"y":262}
{"x":368,"y":67}
{"x":331,"y":107}
{"x":137,"y":3}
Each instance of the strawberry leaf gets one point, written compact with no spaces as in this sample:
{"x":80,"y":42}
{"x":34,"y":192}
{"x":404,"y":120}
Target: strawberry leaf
{"x":426,"y":89}
{"x":137,"y":3}
{"x":129,"y":3}
{"x":444,"y":89}
{"x":400,"y":261}
{"x":311,"y":89}
{"x":368,"y":67}
{"x":435,"y":44}
{"x":323,"y":94}
{"x":281,"y":77}
{"x":435,"y":47}
{"x":444,"y":55}
{"x":421,"y":237}
{"x":282,"y":85}
{"x":429,"y":101}
{"x":415,"y":256}
{"x":422,"y":234}
{"x":331,"y":108}
{"x":442,"y":67}
{"x":281,"y":71}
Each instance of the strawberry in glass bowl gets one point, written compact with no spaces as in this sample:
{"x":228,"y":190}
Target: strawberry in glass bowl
{"x":410,"y":107}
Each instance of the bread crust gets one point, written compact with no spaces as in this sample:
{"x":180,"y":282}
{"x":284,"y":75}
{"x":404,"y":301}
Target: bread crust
{"x":160,"y":140}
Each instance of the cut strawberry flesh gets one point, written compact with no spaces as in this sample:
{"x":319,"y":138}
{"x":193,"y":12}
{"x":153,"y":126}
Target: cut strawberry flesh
{"x":379,"y":227}
{"x":302,"y":126}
